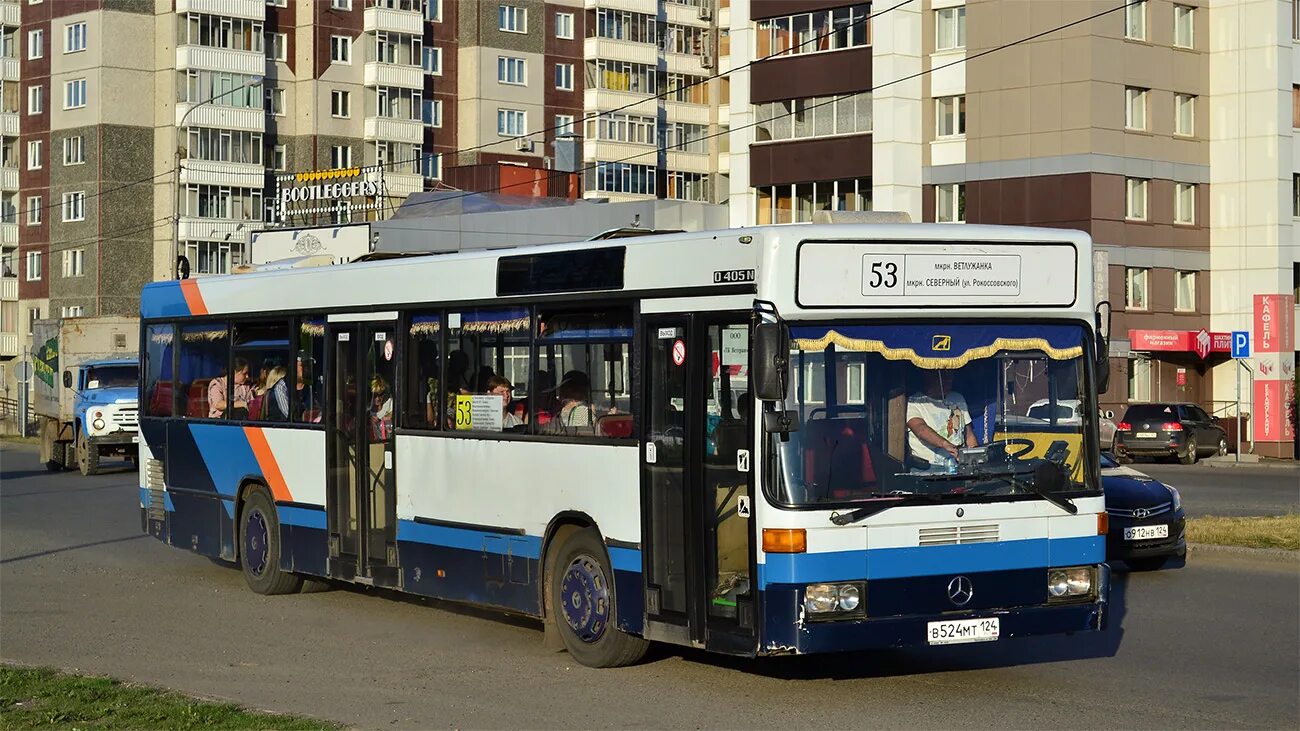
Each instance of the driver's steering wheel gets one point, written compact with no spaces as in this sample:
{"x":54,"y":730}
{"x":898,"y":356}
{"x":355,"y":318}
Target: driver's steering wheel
{"x":1028,"y":445}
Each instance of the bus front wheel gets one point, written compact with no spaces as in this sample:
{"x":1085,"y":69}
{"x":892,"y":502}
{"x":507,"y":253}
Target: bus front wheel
{"x":582,"y":603}
{"x":259,"y":547}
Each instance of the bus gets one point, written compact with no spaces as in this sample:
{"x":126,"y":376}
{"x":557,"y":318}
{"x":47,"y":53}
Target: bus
{"x":758,"y":441}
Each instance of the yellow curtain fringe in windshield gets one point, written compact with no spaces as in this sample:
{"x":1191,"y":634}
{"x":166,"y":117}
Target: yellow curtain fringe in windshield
{"x":984,"y":351}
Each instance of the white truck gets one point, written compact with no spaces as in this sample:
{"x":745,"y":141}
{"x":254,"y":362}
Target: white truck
{"x":86,"y":372}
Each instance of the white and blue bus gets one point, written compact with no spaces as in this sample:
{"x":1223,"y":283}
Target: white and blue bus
{"x":774,"y":440}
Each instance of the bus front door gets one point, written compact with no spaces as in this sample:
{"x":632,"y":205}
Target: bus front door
{"x":697,"y":532}
{"x":361,"y":502}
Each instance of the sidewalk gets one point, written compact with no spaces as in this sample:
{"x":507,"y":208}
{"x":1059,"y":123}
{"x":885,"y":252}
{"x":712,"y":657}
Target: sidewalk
{"x":1250,"y":460}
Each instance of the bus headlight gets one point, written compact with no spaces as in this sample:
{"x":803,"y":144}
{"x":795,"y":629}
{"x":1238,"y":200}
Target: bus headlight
{"x":1075,"y":582}
{"x":834,"y":601}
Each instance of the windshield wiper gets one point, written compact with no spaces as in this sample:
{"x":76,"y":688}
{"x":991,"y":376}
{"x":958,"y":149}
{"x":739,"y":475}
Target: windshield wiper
{"x":1040,"y":472}
{"x":885,"y":502}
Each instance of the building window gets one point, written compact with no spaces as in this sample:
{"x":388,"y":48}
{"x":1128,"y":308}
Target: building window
{"x":341,"y":4}
{"x":1139,"y":380}
{"x":512,"y":19}
{"x":34,"y":155}
{"x":74,"y":206}
{"x":74,"y":150}
{"x":432,"y":61}
{"x":1295,"y":107}
{"x":620,"y":177}
{"x":564,"y":125}
{"x":950,"y":28}
{"x":341,"y":103}
{"x":1185,"y":291}
{"x":275,"y":102}
{"x":72,"y":311}
{"x":277,"y":45}
{"x":622,"y":127}
{"x":74,"y":262}
{"x":433,"y":11}
{"x":340,"y":157}
{"x":74,"y":94}
{"x":1184,"y":27}
{"x":1135,"y":288}
{"x":564,"y":25}
{"x":34,"y":210}
{"x":688,"y":186}
{"x":512,"y":122}
{"x":35,"y":99}
{"x":950,"y":116}
{"x":432,"y":113}
{"x":340,"y":49}
{"x":511,"y":70}
{"x":1295,"y":195}
{"x":1135,"y":21}
{"x":564,"y":76}
{"x":1184,"y":203}
{"x":1184,"y":114}
{"x":35,"y":44}
{"x":950,"y":203}
{"x":74,"y":37}
{"x":33,"y":266}
{"x":823,"y":30}
{"x":797,"y":203}
{"x":1135,"y":205}
{"x":431,"y":167}
{"x":1295,"y":20}
{"x":1135,"y":107}
{"x":279,"y":158}
{"x":813,"y":117}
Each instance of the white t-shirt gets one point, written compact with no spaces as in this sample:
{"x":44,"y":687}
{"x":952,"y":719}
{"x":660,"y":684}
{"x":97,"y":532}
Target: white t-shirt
{"x":948,"y":416}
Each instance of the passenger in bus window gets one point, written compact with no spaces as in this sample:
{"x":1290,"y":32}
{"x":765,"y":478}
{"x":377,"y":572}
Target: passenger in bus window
{"x":243,"y":393}
{"x":499,"y":386}
{"x":275,"y":394}
{"x":576,"y":414}
{"x":544,"y":398}
{"x":307,"y":387}
{"x":381,"y":409}
{"x":938,"y":421}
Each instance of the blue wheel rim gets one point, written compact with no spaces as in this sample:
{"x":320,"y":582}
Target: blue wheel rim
{"x":256,"y":538}
{"x":584,"y":598}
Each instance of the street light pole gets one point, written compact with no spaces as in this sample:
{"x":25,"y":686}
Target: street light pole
{"x":176,"y":172}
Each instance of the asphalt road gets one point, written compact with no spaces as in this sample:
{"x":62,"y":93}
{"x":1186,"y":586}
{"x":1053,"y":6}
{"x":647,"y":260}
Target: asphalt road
{"x":1234,"y":491}
{"x":1211,"y":645}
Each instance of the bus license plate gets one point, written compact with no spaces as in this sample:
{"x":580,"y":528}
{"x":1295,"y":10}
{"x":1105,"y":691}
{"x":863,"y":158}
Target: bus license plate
{"x":962,"y":630}
{"x":1146,"y":532}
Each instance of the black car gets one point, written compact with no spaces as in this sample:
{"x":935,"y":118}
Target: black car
{"x":1146,"y":517}
{"x":1183,"y":431}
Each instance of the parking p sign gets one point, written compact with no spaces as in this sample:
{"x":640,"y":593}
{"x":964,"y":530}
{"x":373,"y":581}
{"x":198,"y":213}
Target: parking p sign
{"x":1240,"y":343}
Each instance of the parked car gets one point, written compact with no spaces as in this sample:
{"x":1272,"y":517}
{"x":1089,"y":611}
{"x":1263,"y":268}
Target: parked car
{"x":1183,"y":431}
{"x":1070,"y":411}
{"x":1147,"y":525}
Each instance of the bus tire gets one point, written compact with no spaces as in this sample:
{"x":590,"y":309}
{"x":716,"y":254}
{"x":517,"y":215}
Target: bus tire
{"x":87,"y":456}
{"x":259,"y":547}
{"x":580,"y":590}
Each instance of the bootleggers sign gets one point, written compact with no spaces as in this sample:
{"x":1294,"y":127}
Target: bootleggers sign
{"x":329,"y":191}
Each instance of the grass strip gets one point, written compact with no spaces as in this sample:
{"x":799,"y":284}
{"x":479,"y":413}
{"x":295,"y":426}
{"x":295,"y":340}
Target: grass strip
{"x":41,"y":698}
{"x":1279,"y":531}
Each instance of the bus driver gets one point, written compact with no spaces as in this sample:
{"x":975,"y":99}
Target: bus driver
{"x":938,"y":423}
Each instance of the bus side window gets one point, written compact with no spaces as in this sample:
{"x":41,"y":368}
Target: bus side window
{"x":309,"y":388}
{"x":265,"y":347}
{"x":205,"y":359}
{"x":485,"y":346}
{"x":587,"y":354}
{"x":423,"y":392}
{"x":160,"y":380}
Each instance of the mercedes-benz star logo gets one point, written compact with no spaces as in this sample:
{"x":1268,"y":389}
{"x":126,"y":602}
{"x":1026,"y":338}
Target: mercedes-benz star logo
{"x":1141,"y":513}
{"x":960,"y":591}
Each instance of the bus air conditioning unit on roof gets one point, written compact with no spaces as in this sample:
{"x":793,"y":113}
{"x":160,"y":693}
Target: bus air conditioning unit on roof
{"x":861,"y":217}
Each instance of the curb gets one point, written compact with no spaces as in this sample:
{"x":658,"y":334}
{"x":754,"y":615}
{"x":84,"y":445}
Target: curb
{"x":1264,"y":554}
{"x":1266,"y":464}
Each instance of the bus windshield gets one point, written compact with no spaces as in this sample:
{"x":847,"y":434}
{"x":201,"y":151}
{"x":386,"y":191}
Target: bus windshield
{"x":935,"y":411}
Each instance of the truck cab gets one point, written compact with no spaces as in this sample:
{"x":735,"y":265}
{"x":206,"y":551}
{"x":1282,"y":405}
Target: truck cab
{"x":104,"y":410}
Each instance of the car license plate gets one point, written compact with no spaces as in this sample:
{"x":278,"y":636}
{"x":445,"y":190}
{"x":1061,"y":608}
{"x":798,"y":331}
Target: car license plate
{"x":1145,"y":435}
{"x":962,"y":630}
{"x":1146,"y":532}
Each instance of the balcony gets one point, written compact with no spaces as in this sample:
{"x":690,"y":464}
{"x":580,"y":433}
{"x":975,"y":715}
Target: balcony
{"x":8,"y":345}
{"x":10,"y":15}
{"x":250,"y":9}
{"x":391,"y":74}
{"x":9,"y":124}
{"x":215,"y":229}
{"x":250,"y":63}
{"x":394,"y":130}
{"x":9,"y":234}
{"x":9,"y":178}
{"x":233,"y":174}
{"x":400,"y":185}
{"x":210,"y":115}
{"x":410,"y":22}
{"x":8,"y":289}
{"x":619,"y":50}
{"x":10,"y":69}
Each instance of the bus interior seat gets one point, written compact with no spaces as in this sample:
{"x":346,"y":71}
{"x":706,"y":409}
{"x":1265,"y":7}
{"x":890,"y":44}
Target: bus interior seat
{"x":837,"y":449}
{"x":617,"y":426}
{"x":196,"y":404}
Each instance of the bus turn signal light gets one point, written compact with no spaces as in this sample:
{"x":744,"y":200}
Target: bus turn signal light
{"x":1103,"y":524}
{"x":785,"y":540}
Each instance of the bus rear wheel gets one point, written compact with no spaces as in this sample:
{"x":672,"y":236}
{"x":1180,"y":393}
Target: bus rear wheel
{"x":259,"y":547}
{"x":582,"y":603}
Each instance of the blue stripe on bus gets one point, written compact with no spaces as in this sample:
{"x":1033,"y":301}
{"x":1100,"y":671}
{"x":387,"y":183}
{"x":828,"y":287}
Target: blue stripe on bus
{"x":892,"y":563}
{"x":469,"y":539}
{"x":162,"y":299}
{"x":144,"y":497}
{"x":625,"y":559}
{"x":302,"y":517}
{"x":227,"y":455}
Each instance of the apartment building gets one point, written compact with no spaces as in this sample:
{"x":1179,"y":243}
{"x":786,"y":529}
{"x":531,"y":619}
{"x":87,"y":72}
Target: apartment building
{"x":10,"y":315}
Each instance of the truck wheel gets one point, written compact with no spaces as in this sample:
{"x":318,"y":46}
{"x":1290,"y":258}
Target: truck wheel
{"x":87,"y":456}
{"x":51,"y":448}
{"x":582,"y":603}
{"x":259,"y":547}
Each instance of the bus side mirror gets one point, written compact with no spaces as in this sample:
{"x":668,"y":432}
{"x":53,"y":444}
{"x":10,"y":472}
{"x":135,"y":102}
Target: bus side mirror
{"x":771,"y":360}
{"x":67,"y":379}
{"x":1102,"y":359}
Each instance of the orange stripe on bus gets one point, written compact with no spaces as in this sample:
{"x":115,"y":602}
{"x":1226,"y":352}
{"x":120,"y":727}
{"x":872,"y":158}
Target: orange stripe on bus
{"x":193,"y":298}
{"x":270,"y":468}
